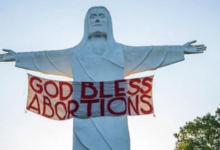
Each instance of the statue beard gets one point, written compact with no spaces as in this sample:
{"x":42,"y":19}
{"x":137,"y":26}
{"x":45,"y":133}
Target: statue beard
{"x":97,"y":33}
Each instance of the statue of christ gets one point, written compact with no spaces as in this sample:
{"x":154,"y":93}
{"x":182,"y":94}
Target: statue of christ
{"x":98,"y":57}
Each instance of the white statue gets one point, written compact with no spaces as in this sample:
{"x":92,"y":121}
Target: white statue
{"x":99,"y":58}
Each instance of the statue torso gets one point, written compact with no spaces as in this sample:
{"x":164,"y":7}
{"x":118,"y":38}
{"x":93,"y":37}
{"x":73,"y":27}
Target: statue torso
{"x":97,"y":64}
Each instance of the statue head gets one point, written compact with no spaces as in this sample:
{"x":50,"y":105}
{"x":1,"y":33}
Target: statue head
{"x":98,"y":21}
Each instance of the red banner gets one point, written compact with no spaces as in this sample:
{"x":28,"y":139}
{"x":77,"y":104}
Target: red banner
{"x":62,"y":100}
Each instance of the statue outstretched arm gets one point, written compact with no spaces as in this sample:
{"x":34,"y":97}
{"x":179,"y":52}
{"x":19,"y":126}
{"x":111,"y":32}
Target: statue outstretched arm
{"x":138,"y":59}
{"x":57,"y":62}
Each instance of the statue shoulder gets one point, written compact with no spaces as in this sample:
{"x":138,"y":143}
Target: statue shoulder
{"x":135,"y":48}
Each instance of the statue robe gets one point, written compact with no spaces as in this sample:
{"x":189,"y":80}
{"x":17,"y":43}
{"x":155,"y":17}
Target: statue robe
{"x":100,"y":133}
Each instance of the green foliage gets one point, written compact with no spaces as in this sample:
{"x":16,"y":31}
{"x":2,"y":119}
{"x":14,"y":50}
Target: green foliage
{"x":200,"y":134}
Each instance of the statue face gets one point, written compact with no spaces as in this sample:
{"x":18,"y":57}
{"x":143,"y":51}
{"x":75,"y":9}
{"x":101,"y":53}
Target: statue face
{"x":97,"y":22}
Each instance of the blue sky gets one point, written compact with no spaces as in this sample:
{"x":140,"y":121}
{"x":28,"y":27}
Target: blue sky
{"x":181,"y":91}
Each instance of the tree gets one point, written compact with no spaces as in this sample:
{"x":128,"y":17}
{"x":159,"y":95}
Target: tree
{"x":200,"y":134}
